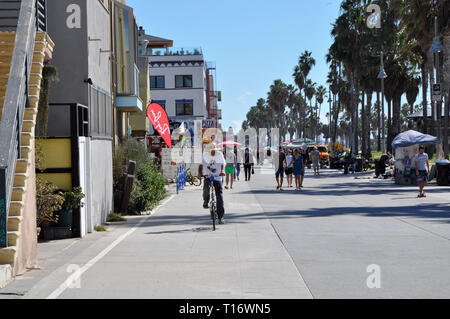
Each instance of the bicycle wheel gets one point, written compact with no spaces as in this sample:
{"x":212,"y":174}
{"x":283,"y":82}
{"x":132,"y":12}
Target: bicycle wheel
{"x":196,"y":181}
{"x":213,"y":215}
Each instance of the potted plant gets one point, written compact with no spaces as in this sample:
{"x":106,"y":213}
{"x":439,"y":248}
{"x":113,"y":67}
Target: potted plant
{"x":47,"y":202}
{"x":72,"y":200}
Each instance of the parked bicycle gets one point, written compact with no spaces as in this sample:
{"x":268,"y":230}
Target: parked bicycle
{"x":191,"y":179}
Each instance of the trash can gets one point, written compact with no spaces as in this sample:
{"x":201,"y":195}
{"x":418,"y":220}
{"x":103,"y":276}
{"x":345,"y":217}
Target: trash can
{"x":442,"y":173}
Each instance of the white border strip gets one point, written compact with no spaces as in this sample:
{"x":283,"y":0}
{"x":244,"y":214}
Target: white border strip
{"x":76,"y":275}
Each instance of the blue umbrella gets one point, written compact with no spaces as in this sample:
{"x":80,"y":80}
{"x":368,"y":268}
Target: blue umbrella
{"x":411,"y":137}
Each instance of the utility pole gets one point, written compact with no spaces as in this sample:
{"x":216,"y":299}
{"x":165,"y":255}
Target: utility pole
{"x":382,"y":75}
{"x":436,"y":48}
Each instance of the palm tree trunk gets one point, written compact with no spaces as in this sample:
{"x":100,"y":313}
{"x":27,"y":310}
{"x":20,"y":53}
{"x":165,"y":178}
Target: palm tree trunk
{"x":379,"y":121}
{"x":396,"y":106}
{"x":431,"y":79}
{"x":363,"y":125}
{"x":369,"y":122}
{"x":411,"y":111}
{"x":356,"y":113}
{"x":389,"y":127}
{"x":446,"y":91}
{"x":424,"y":98}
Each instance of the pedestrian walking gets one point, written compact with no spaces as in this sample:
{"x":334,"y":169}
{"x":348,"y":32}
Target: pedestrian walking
{"x":248,"y":164}
{"x":422,"y":168}
{"x":305,"y":164}
{"x":238,"y":163}
{"x":315,"y":159}
{"x":280,"y":164}
{"x":230,"y":168}
{"x":289,"y":168}
{"x":298,"y":169}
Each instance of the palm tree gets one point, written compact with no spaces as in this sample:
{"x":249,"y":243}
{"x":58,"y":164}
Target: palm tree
{"x":320,"y":95}
{"x":293,"y":115}
{"x":334,"y":80}
{"x":310,"y":91}
{"x":301,"y":72}
{"x":417,"y":22}
{"x":277,"y":101}
{"x":443,"y":13}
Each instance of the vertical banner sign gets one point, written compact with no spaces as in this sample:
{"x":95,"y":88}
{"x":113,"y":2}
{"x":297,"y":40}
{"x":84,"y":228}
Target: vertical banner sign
{"x":158,"y":116}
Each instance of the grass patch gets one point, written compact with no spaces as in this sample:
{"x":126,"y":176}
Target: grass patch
{"x":114,"y":218}
{"x":100,"y":228}
{"x":376,"y":155}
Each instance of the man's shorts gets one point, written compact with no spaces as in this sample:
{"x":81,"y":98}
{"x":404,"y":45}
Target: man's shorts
{"x":316,"y":164}
{"x":423,"y":176}
{"x":279,"y":173}
{"x":289,"y":171}
{"x":229,"y":170}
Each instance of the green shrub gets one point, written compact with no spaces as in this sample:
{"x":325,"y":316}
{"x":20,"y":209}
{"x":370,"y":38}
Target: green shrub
{"x":47,"y":201}
{"x":72,"y":200}
{"x":114,"y":217}
{"x":149,"y":183}
{"x":100,"y":228}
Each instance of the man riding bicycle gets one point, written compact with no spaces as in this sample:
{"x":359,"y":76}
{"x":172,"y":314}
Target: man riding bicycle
{"x":212,"y":166}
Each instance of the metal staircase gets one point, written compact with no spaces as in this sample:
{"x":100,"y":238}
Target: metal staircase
{"x":23,"y":49}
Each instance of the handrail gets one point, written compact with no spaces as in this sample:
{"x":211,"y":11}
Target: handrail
{"x":14,"y":107}
{"x":41,"y":15}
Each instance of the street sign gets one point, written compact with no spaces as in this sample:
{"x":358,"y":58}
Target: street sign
{"x":209,"y":123}
{"x":437,"y":98}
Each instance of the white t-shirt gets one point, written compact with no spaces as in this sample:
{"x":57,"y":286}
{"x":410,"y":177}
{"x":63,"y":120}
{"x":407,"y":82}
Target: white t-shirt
{"x":290,"y":161}
{"x":230,"y":158}
{"x":212,"y":165}
{"x":421,"y":160}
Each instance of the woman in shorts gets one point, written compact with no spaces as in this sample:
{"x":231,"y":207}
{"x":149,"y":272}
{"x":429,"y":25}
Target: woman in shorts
{"x":289,"y":168}
{"x":298,"y":169}
{"x":231,"y":159}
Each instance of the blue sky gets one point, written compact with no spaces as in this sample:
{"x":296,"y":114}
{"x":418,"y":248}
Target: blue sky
{"x":252,"y":42}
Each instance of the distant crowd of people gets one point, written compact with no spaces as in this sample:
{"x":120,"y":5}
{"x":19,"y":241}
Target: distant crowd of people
{"x":293,"y":164}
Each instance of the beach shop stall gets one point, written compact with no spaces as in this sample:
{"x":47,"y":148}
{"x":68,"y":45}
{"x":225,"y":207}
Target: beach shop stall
{"x":406,"y":146}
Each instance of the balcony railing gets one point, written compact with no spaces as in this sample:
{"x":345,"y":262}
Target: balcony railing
{"x":174,"y":51}
{"x":41,"y":15}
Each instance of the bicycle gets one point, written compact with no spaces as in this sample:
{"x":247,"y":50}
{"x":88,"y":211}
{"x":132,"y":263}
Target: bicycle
{"x":213,"y":203}
{"x":192,"y":180}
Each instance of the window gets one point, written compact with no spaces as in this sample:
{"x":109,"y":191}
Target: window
{"x":183,"y":81}
{"x":157,"y":82}
{"x":185,"y":108}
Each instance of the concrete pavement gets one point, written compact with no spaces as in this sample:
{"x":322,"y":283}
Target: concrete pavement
{"x":175,"y":254}
{"x":339,"y":225}
{"x":320,"y":242}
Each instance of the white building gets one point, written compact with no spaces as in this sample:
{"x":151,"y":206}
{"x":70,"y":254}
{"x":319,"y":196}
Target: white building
{"x":181,"y":82}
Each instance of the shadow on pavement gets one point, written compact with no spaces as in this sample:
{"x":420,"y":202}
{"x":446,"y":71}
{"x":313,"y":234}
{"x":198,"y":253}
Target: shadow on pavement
{"x":348,"y":189}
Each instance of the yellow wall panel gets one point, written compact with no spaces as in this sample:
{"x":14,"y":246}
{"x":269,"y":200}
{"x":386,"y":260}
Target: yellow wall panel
{"x":57,"y":153}
{"x":62,"y":180}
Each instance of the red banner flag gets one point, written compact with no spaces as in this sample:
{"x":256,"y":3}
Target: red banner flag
{"x":158,"y":116}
